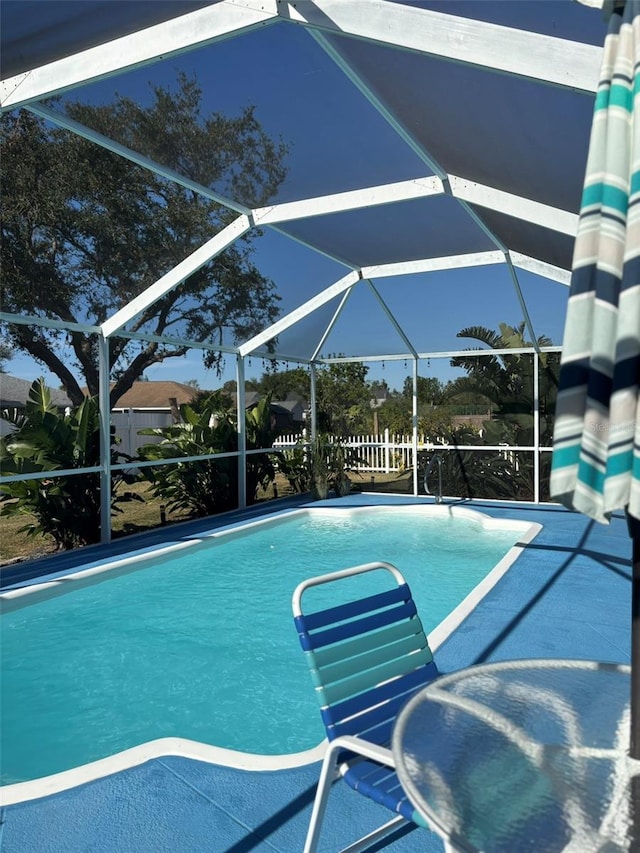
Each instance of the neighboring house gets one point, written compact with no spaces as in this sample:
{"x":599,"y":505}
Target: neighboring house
{"x":296,"y":409}
{"x":14,"y":394}
{"x":155,"y":396}
{"x":147,"y":404}
{"x":289,"y":415}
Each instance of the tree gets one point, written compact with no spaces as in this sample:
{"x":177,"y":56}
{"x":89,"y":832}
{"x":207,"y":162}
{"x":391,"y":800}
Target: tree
{"x":430,"y":389}
{"x":506,"y":384}
{"x":343,"y":398}
{"x":283,"y":383}
{"x":342,"y":394}
{"x":396,"y":415}
{"x":84,"y":231}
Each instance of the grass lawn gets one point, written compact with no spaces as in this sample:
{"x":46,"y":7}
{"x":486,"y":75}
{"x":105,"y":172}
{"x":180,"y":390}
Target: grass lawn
{"x":138,"y":516}
{"x":135,"y":518}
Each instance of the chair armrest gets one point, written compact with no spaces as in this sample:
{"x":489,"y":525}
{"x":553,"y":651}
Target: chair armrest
{"x":364,"y":748}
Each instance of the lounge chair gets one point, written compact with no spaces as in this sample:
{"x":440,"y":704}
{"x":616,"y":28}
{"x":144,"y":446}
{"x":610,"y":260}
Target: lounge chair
{"x":367,"y":658}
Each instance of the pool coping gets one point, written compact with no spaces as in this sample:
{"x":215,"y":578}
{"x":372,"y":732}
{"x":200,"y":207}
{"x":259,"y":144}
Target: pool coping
{"x":181,"y":747}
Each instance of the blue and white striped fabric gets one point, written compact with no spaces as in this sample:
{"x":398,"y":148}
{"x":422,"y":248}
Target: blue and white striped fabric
{"x":596,"y":456}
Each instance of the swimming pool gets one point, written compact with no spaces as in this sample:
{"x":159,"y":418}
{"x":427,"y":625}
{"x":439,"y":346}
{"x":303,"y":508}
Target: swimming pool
{"x":198,"y":641}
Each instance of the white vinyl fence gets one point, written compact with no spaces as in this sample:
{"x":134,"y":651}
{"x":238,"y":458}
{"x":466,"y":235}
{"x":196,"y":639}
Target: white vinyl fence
{"x":384,"y":453}
{"x":128,"y":422}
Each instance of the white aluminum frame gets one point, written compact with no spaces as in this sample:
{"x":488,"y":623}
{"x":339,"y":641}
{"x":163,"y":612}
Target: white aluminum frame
{"x":550,"y":60}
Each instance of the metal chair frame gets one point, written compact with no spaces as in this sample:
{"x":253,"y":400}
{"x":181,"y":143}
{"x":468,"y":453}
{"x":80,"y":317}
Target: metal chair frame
{"x":367,"y":658}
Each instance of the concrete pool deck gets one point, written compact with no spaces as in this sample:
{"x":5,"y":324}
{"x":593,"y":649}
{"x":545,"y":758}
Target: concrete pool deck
{"x":567,"y":595}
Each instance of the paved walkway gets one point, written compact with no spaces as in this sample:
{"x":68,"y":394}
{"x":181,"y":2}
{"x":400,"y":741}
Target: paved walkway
{"x":567,"y":595}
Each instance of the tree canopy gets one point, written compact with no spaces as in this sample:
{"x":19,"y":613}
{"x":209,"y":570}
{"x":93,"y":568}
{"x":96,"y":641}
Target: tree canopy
{"x":84,"y":231}
{"x":506,"y":383}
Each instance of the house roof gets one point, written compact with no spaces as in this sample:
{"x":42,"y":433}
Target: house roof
{"x":454,"y":137}
{"x":290,"y":404}
{"x":14,"y":393}
{"x":155,"y":395}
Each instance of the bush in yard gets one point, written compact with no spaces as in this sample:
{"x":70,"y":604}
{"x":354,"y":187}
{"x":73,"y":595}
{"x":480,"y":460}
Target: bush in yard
{"x":67,"y":508}
{"x":208,"y":486}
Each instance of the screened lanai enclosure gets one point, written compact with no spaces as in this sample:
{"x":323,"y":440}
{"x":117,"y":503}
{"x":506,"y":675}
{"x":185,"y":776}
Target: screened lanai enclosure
{"x":384,"y":175}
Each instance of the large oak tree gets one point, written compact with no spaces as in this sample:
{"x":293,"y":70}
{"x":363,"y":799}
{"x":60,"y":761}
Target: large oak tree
{"x":84,"y":231}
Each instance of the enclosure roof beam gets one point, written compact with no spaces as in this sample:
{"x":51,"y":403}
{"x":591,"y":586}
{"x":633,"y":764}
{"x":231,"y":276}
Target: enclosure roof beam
{"x":47,"y":323}
{"x":193,"y":30}
{"x":548,"y":59}
{"x":541,"y":268}
{"x":450,"y":262}
{"x":460,"y":188}
{"x":392,"y":319}
{"x":474,"y":259}
{"x":177,"y":275}
{"x":301,"y":312}
{"x":175,"y":341}
{"x":351,"y":200}
{"x":331,"y":325}
{"x":512,"y":205}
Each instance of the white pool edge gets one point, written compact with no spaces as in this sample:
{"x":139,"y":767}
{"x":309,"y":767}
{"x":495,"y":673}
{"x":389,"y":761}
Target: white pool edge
{"x":468,"y":604}
{"x":21,"y":792}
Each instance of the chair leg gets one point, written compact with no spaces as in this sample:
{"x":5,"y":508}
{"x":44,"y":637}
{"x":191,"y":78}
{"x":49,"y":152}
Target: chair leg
{"x":381,"y":832}
{"x":327,"y":776}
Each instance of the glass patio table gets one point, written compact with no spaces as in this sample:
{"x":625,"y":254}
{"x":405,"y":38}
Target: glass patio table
{"x":526,"y":756}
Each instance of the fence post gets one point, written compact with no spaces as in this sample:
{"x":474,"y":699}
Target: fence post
{"x":386,"y":450}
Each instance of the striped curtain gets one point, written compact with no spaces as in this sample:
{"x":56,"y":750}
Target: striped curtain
{"x":596,"y":456}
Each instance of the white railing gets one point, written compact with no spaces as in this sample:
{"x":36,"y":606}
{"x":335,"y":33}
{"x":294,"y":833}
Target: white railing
{"x":383,"y":453}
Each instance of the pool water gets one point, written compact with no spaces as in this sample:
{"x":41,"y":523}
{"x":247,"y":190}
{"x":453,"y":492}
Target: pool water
{"x":200,"y":643}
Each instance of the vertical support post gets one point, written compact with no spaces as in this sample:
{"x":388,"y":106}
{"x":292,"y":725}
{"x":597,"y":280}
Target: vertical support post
{"x":536,"y":427}
{"x":314,"y":413}
{"x":241,"y":427}
{"x":414,"y":428}
{"x":104,"y":403}
{"x":634,"y":531}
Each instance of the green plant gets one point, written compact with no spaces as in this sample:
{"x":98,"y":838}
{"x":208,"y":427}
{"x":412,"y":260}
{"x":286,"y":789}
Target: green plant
{"x":261,"y":469}
{"x":319,"y":465}
{"x":202,"y":486}
{"x":209,"y":486}
{"x":67,"y":507}
{"x":471,"y":473}
{"x":294,"y":465}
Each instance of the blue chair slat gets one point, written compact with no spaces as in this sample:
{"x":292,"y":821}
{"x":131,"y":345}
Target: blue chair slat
{"x":356,"y":608}
{"x":401,"y":687}
{"x":374,"y":725}
{"x":387,"y":791}
{"x":369,"y":720}
{"x":347,"y":630}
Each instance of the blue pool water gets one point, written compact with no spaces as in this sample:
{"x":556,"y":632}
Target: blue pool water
{"x":200,"y":643}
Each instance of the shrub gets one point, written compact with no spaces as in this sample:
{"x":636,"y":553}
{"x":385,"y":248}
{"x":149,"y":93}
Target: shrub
{"x":66,"y":507}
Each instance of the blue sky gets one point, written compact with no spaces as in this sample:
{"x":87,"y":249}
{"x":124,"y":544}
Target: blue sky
{"x":337,"y":142}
